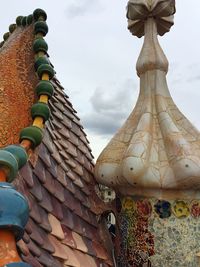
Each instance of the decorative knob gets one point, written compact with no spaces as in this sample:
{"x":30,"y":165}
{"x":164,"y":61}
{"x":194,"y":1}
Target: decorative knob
{"x":138,"y":11}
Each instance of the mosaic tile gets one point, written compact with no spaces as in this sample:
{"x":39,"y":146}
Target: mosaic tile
{"x":152,"y":235}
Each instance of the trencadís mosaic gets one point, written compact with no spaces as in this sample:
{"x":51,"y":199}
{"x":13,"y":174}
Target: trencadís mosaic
{"x":149,"y":229}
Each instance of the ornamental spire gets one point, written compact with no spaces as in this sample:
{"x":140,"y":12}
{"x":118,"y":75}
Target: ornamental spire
{"x":153,"y":161}
{"x":157,"y":147}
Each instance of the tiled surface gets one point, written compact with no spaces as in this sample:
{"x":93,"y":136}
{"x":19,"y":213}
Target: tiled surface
{"x":157,"y":149}
{"x":58,"y":180}
{"x":154,"y":160}
{"x":16,"y":90}
{"x":158,"y":233}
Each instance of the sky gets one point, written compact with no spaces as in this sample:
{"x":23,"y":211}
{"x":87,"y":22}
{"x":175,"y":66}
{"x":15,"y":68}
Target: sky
{"x":94,"y":56}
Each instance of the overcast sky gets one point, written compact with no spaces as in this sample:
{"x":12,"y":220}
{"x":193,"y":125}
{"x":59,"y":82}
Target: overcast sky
{"x":94,"y":56}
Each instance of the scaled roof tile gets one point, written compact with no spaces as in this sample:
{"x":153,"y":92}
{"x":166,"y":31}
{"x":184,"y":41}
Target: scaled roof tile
{"x":58,"y":179}
{"x":56,"y":227}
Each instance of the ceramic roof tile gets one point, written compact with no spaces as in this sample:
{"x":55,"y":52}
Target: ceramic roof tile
{"x":44,"y":155}
{"x":74,"y":139}
{"x":31,"y":260}
{"x":48,"y":260}
{"x":89,"y":246}
{"x":57,"y":114}
{"x":49,"y":182}
{"x":45,"y":220}
{"x":34,"y":249}
{"x":46,"y":202}
{"x":88,"y":260}
{"x":64,"y":154}
{"x":68,"y":239}
{"x":71,"y":162}
{"x":36,"y":190}
{"x":64,"y":132}
{"x":78,"y":182}
{"x":60,"y":249}
{"x":58,"y":146}
{"x":78,"y":224}
{"x":67,"y":217}
{"x":48,"y":142}
{"x":79,"y":242}
{"x":57,"y":135}
{"x":58,"y":182}
{"x":34,"y":210}
{"x":36,"y":233}
{"x":70,"y":185}
{"x":56,"y":227}
{"x":69,"y":200}
{"x":59,"y":106}
{"x":57,"y":208}
{"x":79,"y":169}
{"x":53,"y":169}
{"x":27,"y":173}
{"x":73,"y":260}
{"x":39,"y":171}
{"x":55,"y":155}
{"x":61,"y":176}
{"x":100,"y":251}
{"x":77,"y":208}
{"x":23,"y":247}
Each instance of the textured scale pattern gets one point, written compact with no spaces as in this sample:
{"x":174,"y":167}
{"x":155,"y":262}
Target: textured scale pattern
{"x":17,"y":80}
{"x":58,"y":182}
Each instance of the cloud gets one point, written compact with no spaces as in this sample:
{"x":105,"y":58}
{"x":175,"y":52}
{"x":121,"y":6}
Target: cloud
{"x":79,"y":8}
{"x":110,"y":108}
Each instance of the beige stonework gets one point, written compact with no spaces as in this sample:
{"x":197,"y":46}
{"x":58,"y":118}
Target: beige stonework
{"x":157,"y":150}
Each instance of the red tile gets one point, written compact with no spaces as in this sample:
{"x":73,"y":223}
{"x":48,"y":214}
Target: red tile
{"x":46,"y":201}
{"x":27,"y":174}
{"x":34,"y":249}
{"x":68,"y":240}
{"x":57,"y":208}
{"x":39,"y":171}
{"x":36,"y":190}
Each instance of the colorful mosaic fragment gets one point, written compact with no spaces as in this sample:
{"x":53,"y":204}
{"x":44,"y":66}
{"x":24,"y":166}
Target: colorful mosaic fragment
{"x":181,"y":209}
{"x":195,"y":208}
{"x":137,"y":243}
{"x":150,"y":228}
{"x":163,"y":208}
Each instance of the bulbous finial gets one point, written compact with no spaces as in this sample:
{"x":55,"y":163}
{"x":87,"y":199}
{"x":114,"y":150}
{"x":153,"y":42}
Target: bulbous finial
{"x":157,"y":149}
{"x":138,"y":11}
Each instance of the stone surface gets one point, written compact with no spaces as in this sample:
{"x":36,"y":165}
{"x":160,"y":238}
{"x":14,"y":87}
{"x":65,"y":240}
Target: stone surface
{"x":139,"y":10}
{"x":157,"y":147}
{"x":153,"y":161}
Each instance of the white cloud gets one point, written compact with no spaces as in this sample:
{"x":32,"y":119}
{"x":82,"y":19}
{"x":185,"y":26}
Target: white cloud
{"x":110,"y":107}
{"x":79,"y":8}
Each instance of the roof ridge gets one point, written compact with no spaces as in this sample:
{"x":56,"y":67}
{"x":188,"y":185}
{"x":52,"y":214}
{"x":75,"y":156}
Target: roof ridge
{"x":57,"y":180}
{"x":14,"y":157}
{"x":23,"y":21}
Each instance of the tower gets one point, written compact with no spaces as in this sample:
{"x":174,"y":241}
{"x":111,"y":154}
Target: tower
{"x":153,"y":161}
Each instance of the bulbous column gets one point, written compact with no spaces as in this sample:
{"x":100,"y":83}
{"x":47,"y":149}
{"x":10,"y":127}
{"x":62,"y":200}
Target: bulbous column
{"x":153,"y":161}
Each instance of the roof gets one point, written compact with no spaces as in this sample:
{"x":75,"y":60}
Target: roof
{"x":64,"y":227}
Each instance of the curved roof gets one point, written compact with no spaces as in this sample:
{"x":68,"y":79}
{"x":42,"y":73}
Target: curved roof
{"x":58,"y":182}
